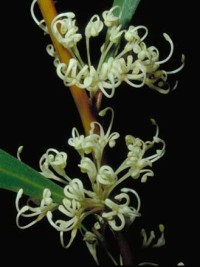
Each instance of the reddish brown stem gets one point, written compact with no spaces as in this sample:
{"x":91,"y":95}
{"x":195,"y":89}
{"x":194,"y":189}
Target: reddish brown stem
{"x":125,"y":250}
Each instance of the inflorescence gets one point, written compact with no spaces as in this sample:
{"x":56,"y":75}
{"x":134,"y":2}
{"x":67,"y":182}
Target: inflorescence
{"x":104,"y":198}
{"x":124,"y":56}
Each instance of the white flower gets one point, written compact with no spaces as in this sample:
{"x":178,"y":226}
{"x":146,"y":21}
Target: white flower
{"x":110,"y":19}
{"x":76,"y":141}
{"x":75,"y":190}
{"x":119,"y":213}
{"x":94,"y":27}
{"x":55,"y":161}
{"x":78,"y":203}
{"x":106,"y":175}
{"x":133,"y":62}
{"x":87,"y":166}
{"x":132,"y":36}
{"x":65,"y":30}
{"x":115,"y":34}
{"x":94,"y":143}
{"x":98,"y":198}
{"x":136,"y":162}
{"x":73,"y":212}
{"x":39,"y":212}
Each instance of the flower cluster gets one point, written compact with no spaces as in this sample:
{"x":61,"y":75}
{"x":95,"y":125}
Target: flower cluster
{"x":124,"y":56}
{"x":99,"y":199}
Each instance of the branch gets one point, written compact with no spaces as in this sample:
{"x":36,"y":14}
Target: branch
{"x":80,"y":97}
{"x":125,"y":250}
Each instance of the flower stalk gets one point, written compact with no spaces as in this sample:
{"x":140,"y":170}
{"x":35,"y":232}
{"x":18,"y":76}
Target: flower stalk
{"x":82,"y":101}
{"x":125,"y":249}
{"x":80,"y":97}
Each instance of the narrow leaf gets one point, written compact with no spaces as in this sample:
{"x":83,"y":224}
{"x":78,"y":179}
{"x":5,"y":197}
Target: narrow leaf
{"x":128,"y":8}
{"x":15,"y":174}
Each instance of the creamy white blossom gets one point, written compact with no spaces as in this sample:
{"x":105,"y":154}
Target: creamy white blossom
{"x":134,"y":63}
{"x":116,"y":209}
{"x":72,"y":210}
{"x":94,"y":143}
{"x":65,"y":29}
{"x":52,"y":165}
{"x":34,"y":210}
{"x":109,"y":18}
{"x":100,"y":190}
{"x":120,"y":213}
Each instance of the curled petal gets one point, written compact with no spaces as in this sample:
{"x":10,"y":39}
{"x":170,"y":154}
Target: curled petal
{"x":132,"y":33}
{"x":56,"y":161}
{"x":64,"y":29}
{"x":88,"y":166}
{"x":28,"y":211}
{"x":115,"y":34}
{"x":75,"y":190}
{"x":76,"y":141}
{"x":94,"y":27}
{"x":110,"y":19}
{"x":106,"y":175}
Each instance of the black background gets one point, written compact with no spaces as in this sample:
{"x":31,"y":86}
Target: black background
{"x":37,"y":111}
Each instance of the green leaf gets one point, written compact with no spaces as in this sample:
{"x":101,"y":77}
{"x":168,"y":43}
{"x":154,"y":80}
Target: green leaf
{"x":15,"y":174}
{"x":128,"y":8}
